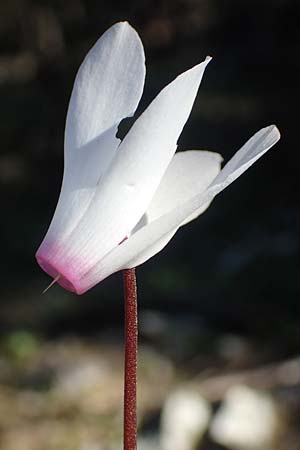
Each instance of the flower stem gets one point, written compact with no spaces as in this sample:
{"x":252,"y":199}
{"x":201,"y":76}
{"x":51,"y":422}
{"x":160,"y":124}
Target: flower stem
{"x":130,"y":378}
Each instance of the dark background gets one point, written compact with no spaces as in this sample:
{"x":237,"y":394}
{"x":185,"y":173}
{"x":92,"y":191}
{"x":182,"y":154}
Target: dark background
{"x":233,"y":271}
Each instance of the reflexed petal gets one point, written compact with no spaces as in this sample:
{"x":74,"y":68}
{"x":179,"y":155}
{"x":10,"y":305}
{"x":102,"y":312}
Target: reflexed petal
{"x":251,"y":151}
{"x":107,"y":88}
{"x":127,"y":187}
{"x":188,"y":173}
{"x":146,"y":242}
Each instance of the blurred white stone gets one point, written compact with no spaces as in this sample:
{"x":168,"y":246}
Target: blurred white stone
{"x":248,"y":419}
{"x":185,"y":418}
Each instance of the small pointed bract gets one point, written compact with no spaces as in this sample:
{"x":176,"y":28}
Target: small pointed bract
{"x":121,"y":202}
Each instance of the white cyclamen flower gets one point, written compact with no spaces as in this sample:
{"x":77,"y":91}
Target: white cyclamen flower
{"x":121,"y":202}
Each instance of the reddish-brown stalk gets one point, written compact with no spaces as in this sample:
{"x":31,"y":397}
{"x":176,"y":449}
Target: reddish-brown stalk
{"x":130,"y":369}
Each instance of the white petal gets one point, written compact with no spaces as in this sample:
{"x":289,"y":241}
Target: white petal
{"x":107,"y":88}
{"x":145,"y":242}
{"x":251,"y":151}
{"x":189,"y":172}
{"x":108,"y":85}
{"x":127,"y":187}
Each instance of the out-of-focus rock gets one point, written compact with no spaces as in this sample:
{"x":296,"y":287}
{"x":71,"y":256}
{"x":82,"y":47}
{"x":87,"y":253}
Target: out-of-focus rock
{"x":185,"y":418}
{"x":248,"y":419}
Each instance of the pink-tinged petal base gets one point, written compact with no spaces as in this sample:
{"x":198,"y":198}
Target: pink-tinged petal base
{"x":67,"y":271}
{"x":55,"y":273}
{"x":71,"y":273}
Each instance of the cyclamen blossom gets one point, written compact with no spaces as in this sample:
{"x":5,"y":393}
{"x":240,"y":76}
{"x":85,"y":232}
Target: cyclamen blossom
{"x":121,"y":202}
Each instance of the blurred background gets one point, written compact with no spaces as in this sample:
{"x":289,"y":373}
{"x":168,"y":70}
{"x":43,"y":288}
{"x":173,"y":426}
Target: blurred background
{"x":219,"y":308}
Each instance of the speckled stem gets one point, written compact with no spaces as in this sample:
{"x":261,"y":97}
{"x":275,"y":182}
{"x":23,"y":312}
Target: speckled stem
{"x":130,"y":378}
